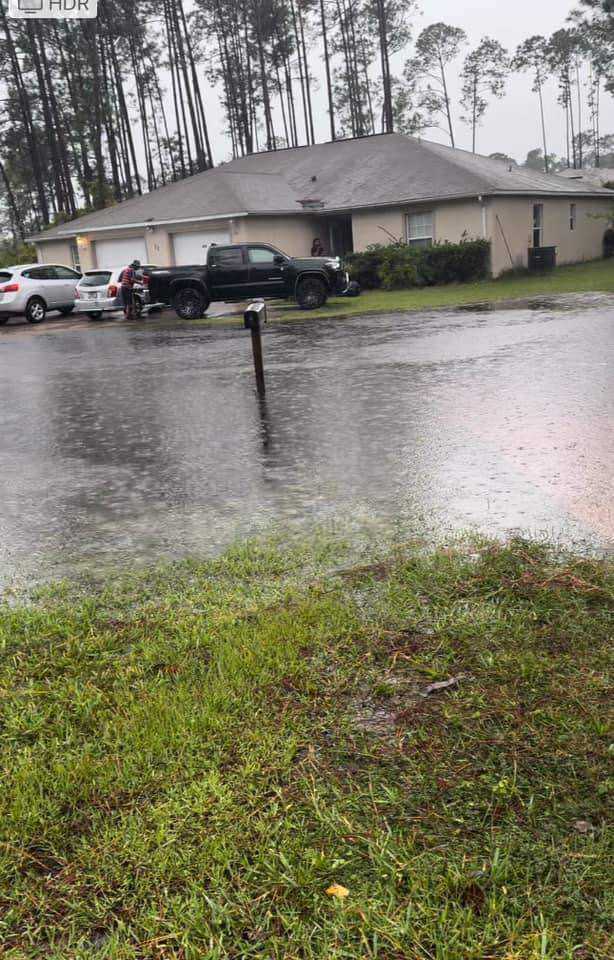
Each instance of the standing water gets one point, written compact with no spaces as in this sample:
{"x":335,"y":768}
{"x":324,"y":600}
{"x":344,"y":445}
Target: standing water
{"x":125,"y":444}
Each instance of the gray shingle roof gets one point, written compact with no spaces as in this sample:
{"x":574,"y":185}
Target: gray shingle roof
{"x":591,"y":175}
{"x":346,"y":174}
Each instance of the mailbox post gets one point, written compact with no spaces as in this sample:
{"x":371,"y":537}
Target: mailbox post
{"x":254,"y":317}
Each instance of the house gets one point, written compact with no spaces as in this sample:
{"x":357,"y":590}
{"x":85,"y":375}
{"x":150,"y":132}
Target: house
{"x":350,"y":194}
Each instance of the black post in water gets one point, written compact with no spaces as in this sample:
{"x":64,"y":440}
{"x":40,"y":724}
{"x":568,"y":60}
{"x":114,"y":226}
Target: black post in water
{"x":254,"y":316}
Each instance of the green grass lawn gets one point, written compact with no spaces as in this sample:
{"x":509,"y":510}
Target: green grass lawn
{"x":192,"y":758}
{"x":597,"y":275}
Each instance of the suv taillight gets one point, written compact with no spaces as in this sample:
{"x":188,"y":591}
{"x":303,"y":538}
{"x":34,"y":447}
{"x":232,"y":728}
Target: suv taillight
{"x":112,"y":291}
{"x":11,"y":288}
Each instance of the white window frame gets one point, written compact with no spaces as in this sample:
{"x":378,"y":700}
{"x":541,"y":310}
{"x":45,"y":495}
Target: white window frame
{"x":573,"y":216}
{"x":75,"y":256}
{"x":535,"y":228}
{"x":418,"y":241}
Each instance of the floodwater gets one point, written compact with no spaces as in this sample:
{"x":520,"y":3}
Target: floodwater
{"x":130,"y":443}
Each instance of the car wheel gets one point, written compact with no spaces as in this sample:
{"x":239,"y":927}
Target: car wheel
{"x":36,"y":311}
{"x":66,"y":310}
{"x":190,"y":304}
{"x":311,"y":293}
{"x":95,"y":316}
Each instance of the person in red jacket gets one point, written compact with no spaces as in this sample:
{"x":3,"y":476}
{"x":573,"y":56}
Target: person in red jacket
{"x":127,"y":279}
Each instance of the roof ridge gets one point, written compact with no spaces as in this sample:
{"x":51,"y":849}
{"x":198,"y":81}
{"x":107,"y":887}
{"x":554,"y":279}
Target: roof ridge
{"x":455,"y":157}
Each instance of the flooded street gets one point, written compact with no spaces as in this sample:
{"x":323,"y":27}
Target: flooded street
{"x":129,"y":443}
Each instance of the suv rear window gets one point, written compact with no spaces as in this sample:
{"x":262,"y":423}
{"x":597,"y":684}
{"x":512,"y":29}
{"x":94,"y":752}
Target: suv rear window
{"x":99,"y":279}
{"x":4,"y":276}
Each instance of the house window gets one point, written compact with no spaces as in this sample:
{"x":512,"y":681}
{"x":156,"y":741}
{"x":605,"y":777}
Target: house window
{"x":572,"y":216}
{"x":538,"y":224}
{"x":75,"y":257}
{"x":420,"y":229}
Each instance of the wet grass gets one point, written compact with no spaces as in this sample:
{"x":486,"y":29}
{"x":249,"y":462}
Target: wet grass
{"x":595,"y":276}
{"x":192,"y":758}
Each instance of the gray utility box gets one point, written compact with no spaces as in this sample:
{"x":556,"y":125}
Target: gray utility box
{"x":542,"y":258}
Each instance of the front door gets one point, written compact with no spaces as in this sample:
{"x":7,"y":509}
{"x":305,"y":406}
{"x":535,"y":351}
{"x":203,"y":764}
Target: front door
{"x":340,"y":238}
{"x":266,"y":277}
{"x":229,"y":272}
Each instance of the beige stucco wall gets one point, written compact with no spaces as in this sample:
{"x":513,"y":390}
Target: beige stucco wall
{"x":586,"y":241}
{"x":377,"y":226}
{"x":515,"y":221}
{"x":291,"y":234}
{"x":499,"y":219}
{"x":509,"y":219}
{"x":87,"y":253}
{"x":450,"y":221}
{"x":159,"y":247}
{"x":453,"y":221}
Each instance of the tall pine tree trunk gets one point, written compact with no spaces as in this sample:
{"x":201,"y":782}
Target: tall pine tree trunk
{"x":27,"y":119}
{"x":329,"y":87}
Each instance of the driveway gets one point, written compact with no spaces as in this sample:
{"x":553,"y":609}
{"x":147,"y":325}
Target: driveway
{"x":125,"y":443}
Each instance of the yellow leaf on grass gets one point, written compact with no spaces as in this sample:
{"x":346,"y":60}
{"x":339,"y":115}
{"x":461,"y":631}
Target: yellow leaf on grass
{"x":336,"y":890}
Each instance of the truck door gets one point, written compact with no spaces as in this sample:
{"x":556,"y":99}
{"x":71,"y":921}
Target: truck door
{"x":228,"y":273}
{"x":266,"y":274}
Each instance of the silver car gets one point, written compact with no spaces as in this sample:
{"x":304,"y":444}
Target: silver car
{"x":30,"y":290}
{"x":98,"y":292}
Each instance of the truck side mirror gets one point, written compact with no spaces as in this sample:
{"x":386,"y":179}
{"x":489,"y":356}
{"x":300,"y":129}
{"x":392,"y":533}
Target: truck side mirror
{"x":278,"y":259}
{"x":255,"y":315}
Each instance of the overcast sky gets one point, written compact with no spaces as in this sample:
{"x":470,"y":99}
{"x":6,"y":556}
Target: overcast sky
{"x":512,"y":124}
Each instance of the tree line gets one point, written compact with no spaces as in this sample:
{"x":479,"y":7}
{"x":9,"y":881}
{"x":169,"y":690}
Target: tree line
{"x":98,"y":111}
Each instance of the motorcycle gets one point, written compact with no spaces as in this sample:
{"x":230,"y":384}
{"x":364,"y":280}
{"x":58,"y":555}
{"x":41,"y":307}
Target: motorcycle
{"x":140,"y":297}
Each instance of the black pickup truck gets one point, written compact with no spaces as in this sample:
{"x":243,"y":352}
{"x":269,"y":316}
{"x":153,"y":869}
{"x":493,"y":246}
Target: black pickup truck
{"x":243,"y":271}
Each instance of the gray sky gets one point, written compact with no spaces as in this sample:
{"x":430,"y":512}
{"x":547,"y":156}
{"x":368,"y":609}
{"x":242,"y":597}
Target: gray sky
{"x":512,"y":124}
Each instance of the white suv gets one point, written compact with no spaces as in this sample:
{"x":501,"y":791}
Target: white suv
{"x":31,"y":290}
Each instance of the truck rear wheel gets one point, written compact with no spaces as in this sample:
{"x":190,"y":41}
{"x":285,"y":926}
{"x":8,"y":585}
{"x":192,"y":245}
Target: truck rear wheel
{"x":190,"y":304}
{"x":311,"y":293}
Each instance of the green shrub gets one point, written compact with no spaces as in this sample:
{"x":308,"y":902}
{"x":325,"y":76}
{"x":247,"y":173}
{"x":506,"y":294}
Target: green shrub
{"x":14,"y":253}
{"x":396,"y":275}
{"x":364,"y":267}
{"x":456,"y":262}
{"x":399,"y":265}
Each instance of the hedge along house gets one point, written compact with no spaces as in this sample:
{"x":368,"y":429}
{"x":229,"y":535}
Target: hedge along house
{"x":350,"y":194}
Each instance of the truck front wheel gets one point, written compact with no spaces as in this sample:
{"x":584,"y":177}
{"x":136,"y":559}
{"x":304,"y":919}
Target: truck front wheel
{"x":190,"y":303}
{"x":311,"y":293}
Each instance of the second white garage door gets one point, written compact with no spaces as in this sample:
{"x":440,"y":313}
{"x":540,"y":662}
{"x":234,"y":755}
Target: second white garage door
{"x":119,"y":253}
{"x":191,"y":248}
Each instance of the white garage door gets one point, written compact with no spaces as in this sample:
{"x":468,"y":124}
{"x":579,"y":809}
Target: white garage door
{"x":191,"y":248}
{"x":118,"y":253}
